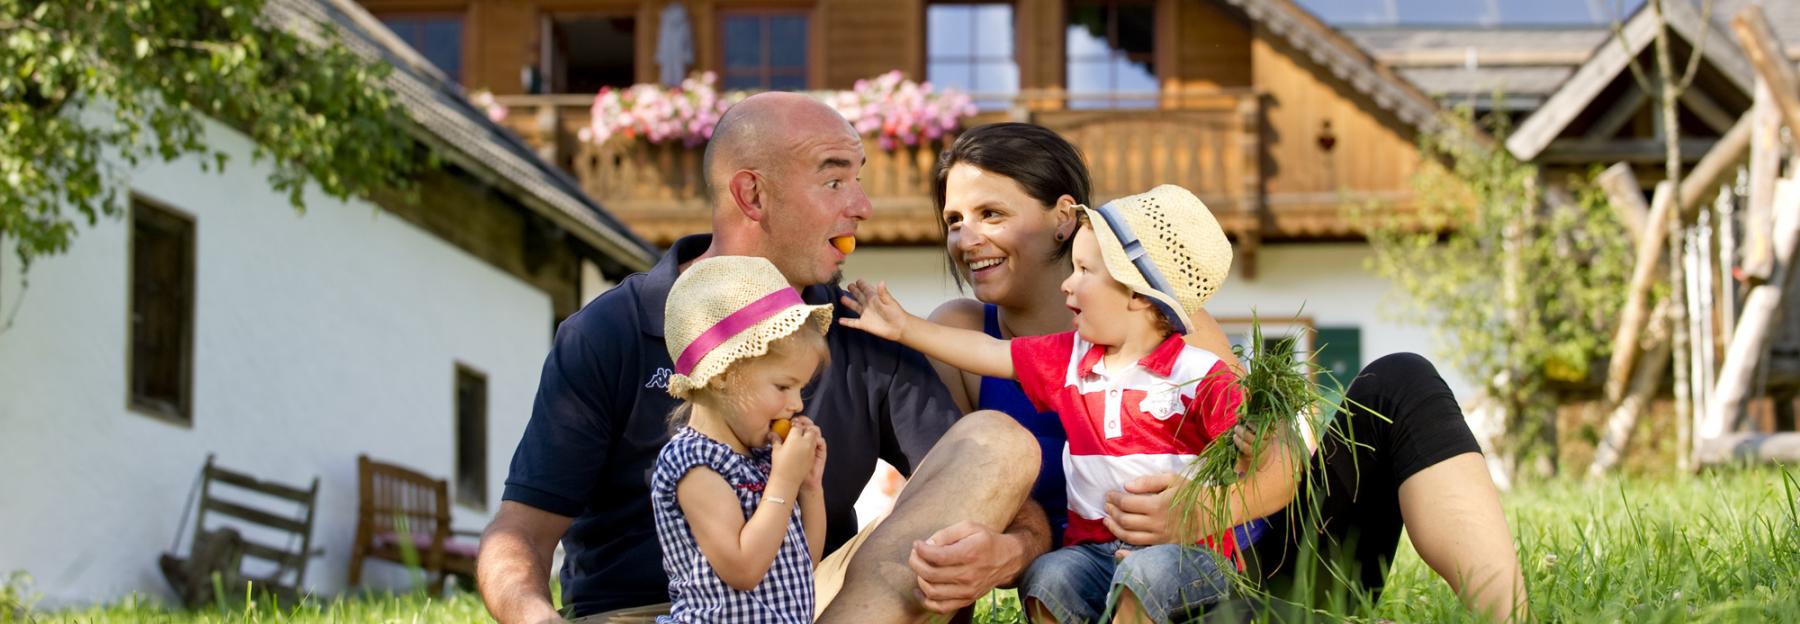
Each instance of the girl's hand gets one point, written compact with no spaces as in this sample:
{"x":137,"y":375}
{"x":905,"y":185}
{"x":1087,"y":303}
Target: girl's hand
{"x":877,"y":311}
{"x":816,"y":478}
{"x":793,"y":458}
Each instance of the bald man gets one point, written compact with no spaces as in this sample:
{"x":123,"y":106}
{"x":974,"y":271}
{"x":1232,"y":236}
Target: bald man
{"x":782,"y":175}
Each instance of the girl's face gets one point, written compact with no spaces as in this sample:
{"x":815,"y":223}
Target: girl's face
{"x":1000,"y":238}
{"x":760,"y":392}
{"x":1102,"y":305}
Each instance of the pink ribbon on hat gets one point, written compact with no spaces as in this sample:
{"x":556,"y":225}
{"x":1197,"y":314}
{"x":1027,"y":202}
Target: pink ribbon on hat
{"x":738,"y":321}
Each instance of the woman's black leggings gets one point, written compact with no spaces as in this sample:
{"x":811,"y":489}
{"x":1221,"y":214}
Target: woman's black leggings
{"x":1350,"y":506}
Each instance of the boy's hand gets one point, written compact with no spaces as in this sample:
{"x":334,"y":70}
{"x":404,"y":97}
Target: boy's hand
{"x":793,"y":458}
{"x":815,"y":479}
{"x":878,"y":313}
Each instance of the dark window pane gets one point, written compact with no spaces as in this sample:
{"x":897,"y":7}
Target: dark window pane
{"x":162,"y":311}
{"x":787,"y":41}
{"x":743,"y":81}
{"x":471,"y":438}
{"x":593,"y":52}
{"x":1137,"y":29}
{"x":787,"y":82}
{"x":438,"y":38}
{"x":743,"y":42}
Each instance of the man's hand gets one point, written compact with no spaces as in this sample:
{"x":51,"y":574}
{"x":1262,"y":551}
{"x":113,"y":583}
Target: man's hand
{"x":961,"y":563}
{"x":513,"y":571}
{"x":1141,"y":515}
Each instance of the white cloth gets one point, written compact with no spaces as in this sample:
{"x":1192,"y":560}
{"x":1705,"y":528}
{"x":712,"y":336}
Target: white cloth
{"x":674,"y":44}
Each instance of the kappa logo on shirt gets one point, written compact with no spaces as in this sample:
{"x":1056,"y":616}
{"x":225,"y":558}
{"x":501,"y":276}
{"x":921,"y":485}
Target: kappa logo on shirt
{"x":660,"y":379}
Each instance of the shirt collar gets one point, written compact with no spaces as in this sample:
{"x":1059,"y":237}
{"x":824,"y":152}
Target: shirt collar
{"x":661,"y":277}
{"x":1160,"y":361}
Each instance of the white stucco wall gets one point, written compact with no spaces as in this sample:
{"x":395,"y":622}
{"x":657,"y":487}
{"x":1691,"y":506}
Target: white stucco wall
{"x":1326,"y":282}
{"x":316,"y":337}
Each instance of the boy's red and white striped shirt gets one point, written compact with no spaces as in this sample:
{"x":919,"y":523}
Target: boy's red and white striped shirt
{"x":1154,"y":416}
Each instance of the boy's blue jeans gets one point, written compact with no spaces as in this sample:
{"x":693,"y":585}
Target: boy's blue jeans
{"x":1078,"y":583}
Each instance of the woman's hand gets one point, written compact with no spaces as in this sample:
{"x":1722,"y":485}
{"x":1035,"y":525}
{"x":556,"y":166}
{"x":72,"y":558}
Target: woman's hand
{"x":794,"y":458}
{"x":877,"y":311}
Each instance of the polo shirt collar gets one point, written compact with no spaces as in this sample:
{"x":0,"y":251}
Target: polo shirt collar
{"x":655,"y":294}
{"x":1160,"y":361}
{"x":662,"y":277}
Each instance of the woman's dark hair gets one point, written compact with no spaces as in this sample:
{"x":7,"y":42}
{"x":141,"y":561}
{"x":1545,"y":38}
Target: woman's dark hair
{"x":1041,"y":161}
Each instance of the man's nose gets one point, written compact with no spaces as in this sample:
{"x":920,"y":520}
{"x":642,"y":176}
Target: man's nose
{"x":861,"y":208}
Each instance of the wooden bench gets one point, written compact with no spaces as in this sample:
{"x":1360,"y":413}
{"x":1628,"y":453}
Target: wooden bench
{"x":398,"y":506}
{"x":235,"y":528}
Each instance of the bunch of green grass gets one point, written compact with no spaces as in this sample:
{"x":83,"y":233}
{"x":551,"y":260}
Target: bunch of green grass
{"x":1278,"y":392}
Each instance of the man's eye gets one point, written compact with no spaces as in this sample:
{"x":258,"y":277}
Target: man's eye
{"x":834,"y":184}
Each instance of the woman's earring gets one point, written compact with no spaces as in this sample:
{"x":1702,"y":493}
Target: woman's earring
{"x":1060,"y":237}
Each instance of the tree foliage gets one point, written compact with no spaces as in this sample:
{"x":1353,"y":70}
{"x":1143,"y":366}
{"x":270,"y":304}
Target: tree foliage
{"x":1519,"y":290}
{"x":152,"y":71}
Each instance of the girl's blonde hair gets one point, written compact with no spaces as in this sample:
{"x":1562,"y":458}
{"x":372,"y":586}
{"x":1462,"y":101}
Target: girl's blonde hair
{"x":805,"y":339}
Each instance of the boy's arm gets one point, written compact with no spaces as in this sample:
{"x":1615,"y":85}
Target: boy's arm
{"x":879,"y":314}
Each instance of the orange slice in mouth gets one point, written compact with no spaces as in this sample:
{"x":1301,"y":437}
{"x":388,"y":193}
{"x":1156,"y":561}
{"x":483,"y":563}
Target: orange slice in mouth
{"x":845,"y":244}
{"x":781,"y":427}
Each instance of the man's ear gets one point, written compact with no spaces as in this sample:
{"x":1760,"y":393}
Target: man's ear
{"x":748,"y":194}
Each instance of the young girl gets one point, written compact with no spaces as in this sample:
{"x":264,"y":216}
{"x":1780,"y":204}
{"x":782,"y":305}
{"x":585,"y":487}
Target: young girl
{"x":739,"y":510}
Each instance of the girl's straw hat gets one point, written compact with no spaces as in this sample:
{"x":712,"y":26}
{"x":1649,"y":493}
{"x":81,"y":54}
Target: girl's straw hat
{"x":729,"y":308}
{"x":1165,"y":245}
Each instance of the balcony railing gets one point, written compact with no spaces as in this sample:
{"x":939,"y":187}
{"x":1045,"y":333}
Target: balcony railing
{"x":1206,"y":141}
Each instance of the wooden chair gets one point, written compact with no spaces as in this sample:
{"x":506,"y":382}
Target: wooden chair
{"x":235,"y":524}
{"x":390,"y":494}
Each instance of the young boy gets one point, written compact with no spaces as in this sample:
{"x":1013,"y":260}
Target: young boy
{"x":1133,"y":397}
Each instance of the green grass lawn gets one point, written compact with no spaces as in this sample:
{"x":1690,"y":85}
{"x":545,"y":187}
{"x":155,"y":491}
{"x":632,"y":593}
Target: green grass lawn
{"x":1719,"y":547}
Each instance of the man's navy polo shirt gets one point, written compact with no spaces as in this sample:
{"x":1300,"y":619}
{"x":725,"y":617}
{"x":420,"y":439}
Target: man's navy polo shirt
{"x":601,"y":417}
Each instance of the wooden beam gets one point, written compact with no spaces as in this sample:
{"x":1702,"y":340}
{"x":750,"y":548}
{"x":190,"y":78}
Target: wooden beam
{"x":1644,"y":273}
{"x":1626,"y":197}
{"x":1531,"y":138}
{"x":1763,"y":47}
{"x":1752,"y":447}
{"x":1707,"y":109}
{"x":1765,"y":165}
{"x":1580,"y":151}
{"x":1759,"y":323}
{"x":1608,"y":125}
{"x":1719,"y":165}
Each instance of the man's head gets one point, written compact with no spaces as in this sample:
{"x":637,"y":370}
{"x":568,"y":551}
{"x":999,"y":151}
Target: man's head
{"x":782,"y":172}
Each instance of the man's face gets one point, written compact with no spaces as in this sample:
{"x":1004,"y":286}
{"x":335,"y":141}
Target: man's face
{"x":815,"y":197}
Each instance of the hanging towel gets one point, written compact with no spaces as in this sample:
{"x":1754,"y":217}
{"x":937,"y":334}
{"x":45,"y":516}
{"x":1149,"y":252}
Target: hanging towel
{"x":674,"y":44}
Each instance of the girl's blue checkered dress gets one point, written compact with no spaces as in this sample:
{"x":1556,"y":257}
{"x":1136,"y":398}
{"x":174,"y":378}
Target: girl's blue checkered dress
{"x":698,"y":594}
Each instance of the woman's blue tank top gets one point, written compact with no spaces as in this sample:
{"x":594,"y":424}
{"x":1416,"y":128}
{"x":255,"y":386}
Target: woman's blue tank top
{"x":1005,"y":395}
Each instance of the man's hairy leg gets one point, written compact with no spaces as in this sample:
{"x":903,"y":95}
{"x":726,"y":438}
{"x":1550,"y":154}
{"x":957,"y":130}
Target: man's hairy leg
{"x":513,"y":569}
{"x":980,"y":471}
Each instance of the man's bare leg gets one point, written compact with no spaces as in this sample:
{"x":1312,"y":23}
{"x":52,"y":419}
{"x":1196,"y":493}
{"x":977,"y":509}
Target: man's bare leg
{"x":980,"y":471}
{"x":1452,"y":512}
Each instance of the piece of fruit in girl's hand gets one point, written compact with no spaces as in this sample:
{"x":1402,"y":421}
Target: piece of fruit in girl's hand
{"x":845,"y":244}
{"x":780,"y":427}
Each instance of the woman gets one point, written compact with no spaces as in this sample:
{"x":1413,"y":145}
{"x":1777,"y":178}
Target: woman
{"x":1006,"y":194}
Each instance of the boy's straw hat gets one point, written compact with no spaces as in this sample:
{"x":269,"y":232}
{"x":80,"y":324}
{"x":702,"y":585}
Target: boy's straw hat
{"x":1165,"y":245}
{"x":726,"y":309}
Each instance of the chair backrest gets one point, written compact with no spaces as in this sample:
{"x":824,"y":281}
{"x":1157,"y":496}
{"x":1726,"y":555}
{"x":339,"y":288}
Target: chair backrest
{"x":245,"y":505}
{"x":389,"y":492}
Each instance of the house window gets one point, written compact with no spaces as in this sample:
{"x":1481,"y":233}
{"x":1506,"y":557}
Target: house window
{"x":970,"y":47}
{"x":437,"y":37}
{"x":1111,"y":50}
{"x":586,"y":52}
{"x":471,"y":438}
{"x":764,"y":50}
{"x":162,"y":312}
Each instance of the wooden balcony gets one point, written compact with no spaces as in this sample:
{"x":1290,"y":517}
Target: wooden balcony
{"x":1206,"y":141}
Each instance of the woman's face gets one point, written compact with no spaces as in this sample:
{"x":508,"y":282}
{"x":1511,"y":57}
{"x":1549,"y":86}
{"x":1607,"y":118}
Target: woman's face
{"x":1001,"y":239}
